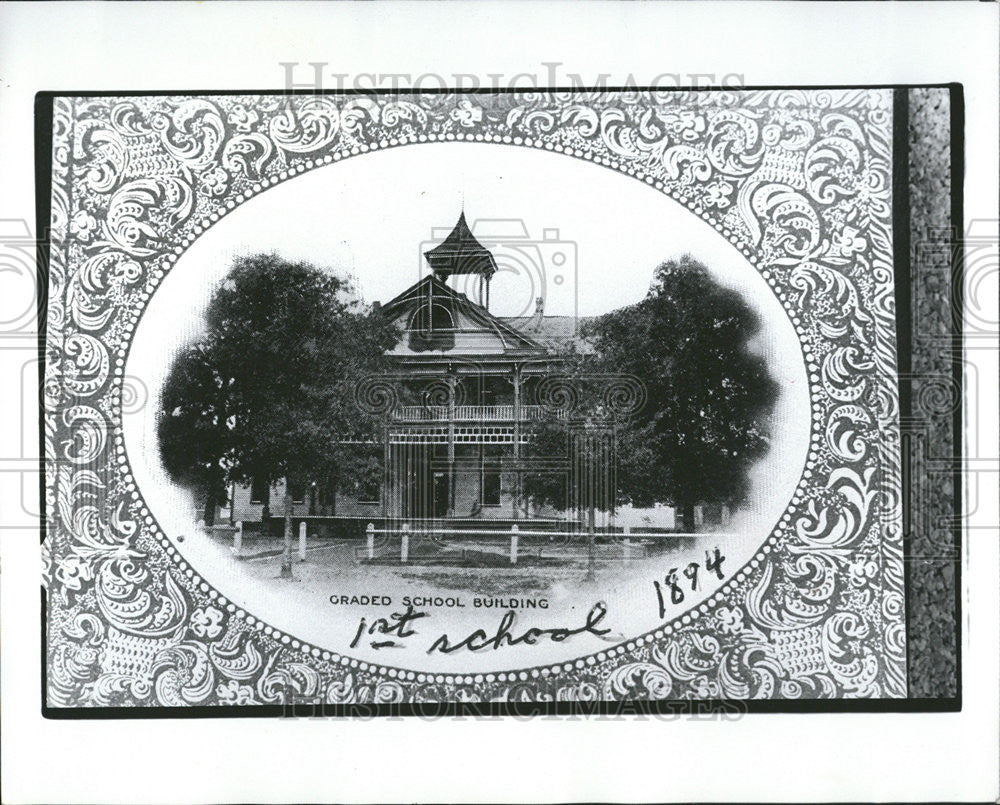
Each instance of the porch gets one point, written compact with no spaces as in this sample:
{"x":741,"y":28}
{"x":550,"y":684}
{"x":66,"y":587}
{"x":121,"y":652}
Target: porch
{"x":472,"y":413}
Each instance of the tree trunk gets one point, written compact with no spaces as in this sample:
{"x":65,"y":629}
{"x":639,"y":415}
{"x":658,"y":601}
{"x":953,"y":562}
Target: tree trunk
{"x":265,"y":512}
{"x":687,"y":517}
{"x":286,"y":553}
{"x":210,"y":501}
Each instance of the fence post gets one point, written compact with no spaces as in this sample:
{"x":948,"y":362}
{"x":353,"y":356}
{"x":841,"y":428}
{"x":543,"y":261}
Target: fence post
{"x":513,"y":544}
{"x":626,"y":543}
{"x":370,"y":531}
{"x":238,"y":538}
{"x":404,"y":544}
{"x":302,"y":541}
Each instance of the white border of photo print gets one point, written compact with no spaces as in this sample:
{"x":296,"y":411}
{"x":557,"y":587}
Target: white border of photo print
{"x":306,"y":760}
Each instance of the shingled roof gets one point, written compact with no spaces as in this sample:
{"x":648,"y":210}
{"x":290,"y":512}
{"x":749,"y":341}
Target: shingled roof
{"x":553,"y":332}
{"x":461,"y":253}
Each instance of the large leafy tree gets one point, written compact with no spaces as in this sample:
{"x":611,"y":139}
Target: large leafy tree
{"x":194,"y":425}
{"x":286,"y":344}
{"x":707,"y":395}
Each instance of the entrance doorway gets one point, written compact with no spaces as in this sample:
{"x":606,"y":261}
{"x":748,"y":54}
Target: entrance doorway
{"x":441,"y":494}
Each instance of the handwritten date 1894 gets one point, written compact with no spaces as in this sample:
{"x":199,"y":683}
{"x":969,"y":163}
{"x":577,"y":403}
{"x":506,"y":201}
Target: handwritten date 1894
{"x":713,"y":564}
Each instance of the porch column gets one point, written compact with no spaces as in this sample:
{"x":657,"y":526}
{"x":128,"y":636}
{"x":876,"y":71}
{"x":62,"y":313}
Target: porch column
{"x":386,"y":477}
{"x":452,"y":381}
{"x":517,"y":441}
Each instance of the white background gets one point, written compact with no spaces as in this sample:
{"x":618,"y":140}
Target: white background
{"x":203,"y":46}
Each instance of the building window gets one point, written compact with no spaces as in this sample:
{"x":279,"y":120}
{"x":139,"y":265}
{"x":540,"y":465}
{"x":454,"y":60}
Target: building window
{"x":490,"y":477}
{"x":441,"y":318}
{"x":260,"y":491}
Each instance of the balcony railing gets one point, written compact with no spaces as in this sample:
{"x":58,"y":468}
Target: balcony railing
{"x":468,"y":413}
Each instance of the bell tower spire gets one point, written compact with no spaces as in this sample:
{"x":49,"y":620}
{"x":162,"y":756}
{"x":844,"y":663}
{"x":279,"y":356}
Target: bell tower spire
{"x":461,"y":253}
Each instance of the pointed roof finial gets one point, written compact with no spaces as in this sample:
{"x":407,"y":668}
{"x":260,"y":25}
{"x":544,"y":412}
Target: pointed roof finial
{"x":461,"y":253}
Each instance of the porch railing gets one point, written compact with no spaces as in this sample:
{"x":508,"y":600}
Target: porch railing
{"x":468,"y":413}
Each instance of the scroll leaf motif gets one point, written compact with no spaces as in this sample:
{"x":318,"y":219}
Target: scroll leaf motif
{"x":845,"y":373}
{"x":247,"y":154}
{"x":686,"y":162}
{"x":689,"y":657}
{"x":388,"y":691}
{"x":809,"y":172}
{"x":734,"y":142}
{"x":129,"y":225}
{"x":815,"y":578}
{"x":239,"y":660}
{"x":90,"y":360}
{"x":833,"y":297}
{"x":845,"y":522}
{"x":345,"y":691}
{"x":72,"y":671}
{"x":183,"y":674}
{"x":584,"y":119}
{"x":92,"y":538}
{"x":306,"y":127}
{"x":629,"y":138}
{"x":825,"y":166}
{"x":768,"y":610}
{"x":793,"y":220}
{"x":192,"y":133}
{"x":86,"y":628}
{"x":103,"y":154}
{"x":127,"y":120}
{"x":851,"y":661}
{"x":110,"y":689}
{"x":846,"y":432}
{"x":531,"y":120}
{"x":128,"y":605}
{"x":730,"y":677}
{"x":582,"y":692}
{"x":288,"y":682}
{"x":641,"y":680}
{"x":89,"y":288}
{"x":399,"y":111}
{"x":75,"y":492}
{"x":89,"y":431}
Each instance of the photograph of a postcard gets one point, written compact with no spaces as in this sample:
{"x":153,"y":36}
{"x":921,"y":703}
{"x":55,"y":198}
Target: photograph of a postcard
{"x":499,"y":399}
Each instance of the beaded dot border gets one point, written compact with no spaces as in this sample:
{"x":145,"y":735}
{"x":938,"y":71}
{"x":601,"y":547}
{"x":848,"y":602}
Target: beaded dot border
{"x":624,"y":167}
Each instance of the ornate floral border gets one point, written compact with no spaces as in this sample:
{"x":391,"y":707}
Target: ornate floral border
{"x":798,"y":181}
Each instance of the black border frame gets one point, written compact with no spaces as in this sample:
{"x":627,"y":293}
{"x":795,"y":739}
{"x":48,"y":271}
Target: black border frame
{"x":641,"y":707}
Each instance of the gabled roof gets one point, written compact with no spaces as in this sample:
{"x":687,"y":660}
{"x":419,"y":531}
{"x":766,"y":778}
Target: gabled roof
{"x":461,"y":253}
{"x":514,"y":340}
{"x":556,"y":332}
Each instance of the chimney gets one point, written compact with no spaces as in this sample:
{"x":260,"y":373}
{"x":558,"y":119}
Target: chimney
{"x":539,"y":312}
